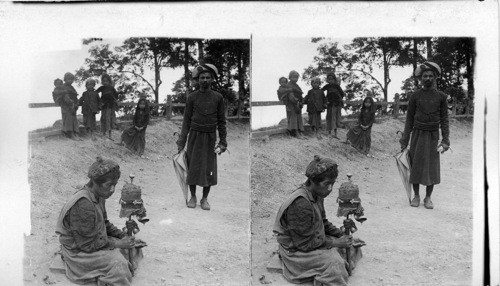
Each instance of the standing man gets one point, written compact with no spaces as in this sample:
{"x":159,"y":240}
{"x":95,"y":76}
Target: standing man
{"x":204,"y":114}
{"x":427,"y":113}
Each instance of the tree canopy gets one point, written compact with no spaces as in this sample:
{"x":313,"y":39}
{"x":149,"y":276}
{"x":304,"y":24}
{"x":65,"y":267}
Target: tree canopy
{"x":135,"y":66}
{"x":355,"y":63}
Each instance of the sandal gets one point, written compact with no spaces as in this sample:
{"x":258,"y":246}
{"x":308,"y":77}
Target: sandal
{"x":415,"y":202}
{"x":428,"y":203}
{"x":192,"y":202}
{"x":204,"y":204}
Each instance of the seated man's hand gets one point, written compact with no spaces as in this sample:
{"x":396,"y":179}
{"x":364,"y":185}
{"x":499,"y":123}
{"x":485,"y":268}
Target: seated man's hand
{"x":139,"y":243}
{"x":343,"y":242}
{"x":126,"y":242}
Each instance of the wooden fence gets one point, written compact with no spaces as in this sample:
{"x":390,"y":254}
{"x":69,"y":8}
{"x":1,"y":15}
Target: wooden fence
{"x":396,"y":112}
{"x":168,"y":114}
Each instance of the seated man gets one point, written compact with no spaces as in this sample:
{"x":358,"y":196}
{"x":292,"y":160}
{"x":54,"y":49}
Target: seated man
{"x":90,"y":244}
{"x":308,"y":242}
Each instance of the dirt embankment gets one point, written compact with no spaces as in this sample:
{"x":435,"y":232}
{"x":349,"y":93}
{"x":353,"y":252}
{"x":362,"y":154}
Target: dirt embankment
{"x":185,"y":246}
{"x":405,"y":245}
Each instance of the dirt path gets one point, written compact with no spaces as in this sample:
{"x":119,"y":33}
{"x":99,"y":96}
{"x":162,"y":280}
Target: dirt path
{"x":185,"y":246}
{"x":405,"y":246}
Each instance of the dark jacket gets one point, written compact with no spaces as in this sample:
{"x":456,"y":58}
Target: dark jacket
{"x":315,"y":100}
{"x":334,"y":94}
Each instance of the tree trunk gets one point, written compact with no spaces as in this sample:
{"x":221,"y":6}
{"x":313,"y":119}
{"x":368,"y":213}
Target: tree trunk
{"x":157,"y":79}
{"x":241,"y":77}
{"x":201,"y":55}
{"x":154,"y":50}
{"x":186,"y":66}
{"x":428,"y":41}
{"x":470,"y":61}
{"x":241,"y":82}
{"x":387,"y":80}
{"x":414,"y":60}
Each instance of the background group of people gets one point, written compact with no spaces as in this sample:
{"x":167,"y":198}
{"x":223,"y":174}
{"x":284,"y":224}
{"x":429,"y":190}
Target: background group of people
{"x":66,"y":97}
{"x":317,"y":102}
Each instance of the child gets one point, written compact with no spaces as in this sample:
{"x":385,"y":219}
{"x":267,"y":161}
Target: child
{"x":283,"y":93}
{"x":58,"y":92}
{"x":135,"y":136}
{"x":90,"y":103}
{"x":68,"y":101}
{"x":108,"y":98}
{"x":334,"y":96}
{"x":360,"y":135}
{"x":295,"y":125}
{"x":316,"y":103}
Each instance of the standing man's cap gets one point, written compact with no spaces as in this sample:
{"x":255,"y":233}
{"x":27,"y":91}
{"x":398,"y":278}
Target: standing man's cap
{"x":206,"y":67}
{"x":427,"y":66}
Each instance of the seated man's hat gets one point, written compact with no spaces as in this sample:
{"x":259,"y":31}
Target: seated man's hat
{"x":319,"y":165}
{"x":101,"y":167}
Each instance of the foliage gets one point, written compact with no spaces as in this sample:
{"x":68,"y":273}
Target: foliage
{"x":131,"y":65}
{"x":232,"y":59}
{"x":355,"y":63}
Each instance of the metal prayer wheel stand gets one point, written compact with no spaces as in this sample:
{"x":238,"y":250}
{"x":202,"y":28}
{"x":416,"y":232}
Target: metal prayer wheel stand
{"x":132,"y":205}
{"x":349,"y":204}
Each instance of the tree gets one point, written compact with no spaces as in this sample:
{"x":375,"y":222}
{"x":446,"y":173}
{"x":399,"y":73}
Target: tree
{"x":183,"y":56}
{"x":232,"y":58}
{"x":155,"y":53}
{"x":456,"y":57}
{"x":351,"y":62}
{"x":102,"y":60}
{"x":129,"y":61}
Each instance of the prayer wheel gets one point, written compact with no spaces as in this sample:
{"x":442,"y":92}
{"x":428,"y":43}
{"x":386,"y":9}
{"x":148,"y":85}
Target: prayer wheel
{"x":348,"y":200}
{"x":131,"y":202}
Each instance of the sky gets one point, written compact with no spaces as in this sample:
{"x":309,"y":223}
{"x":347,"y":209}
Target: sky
{"x":275,"y":57}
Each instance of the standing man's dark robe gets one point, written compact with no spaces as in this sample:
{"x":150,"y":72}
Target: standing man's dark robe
{"x":203,"y":116}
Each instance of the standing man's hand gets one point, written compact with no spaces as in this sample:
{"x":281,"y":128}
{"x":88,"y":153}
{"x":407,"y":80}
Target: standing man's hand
{"x":403,"y":144}
{"x":442,"y":147}
{"x":219,"y":149}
